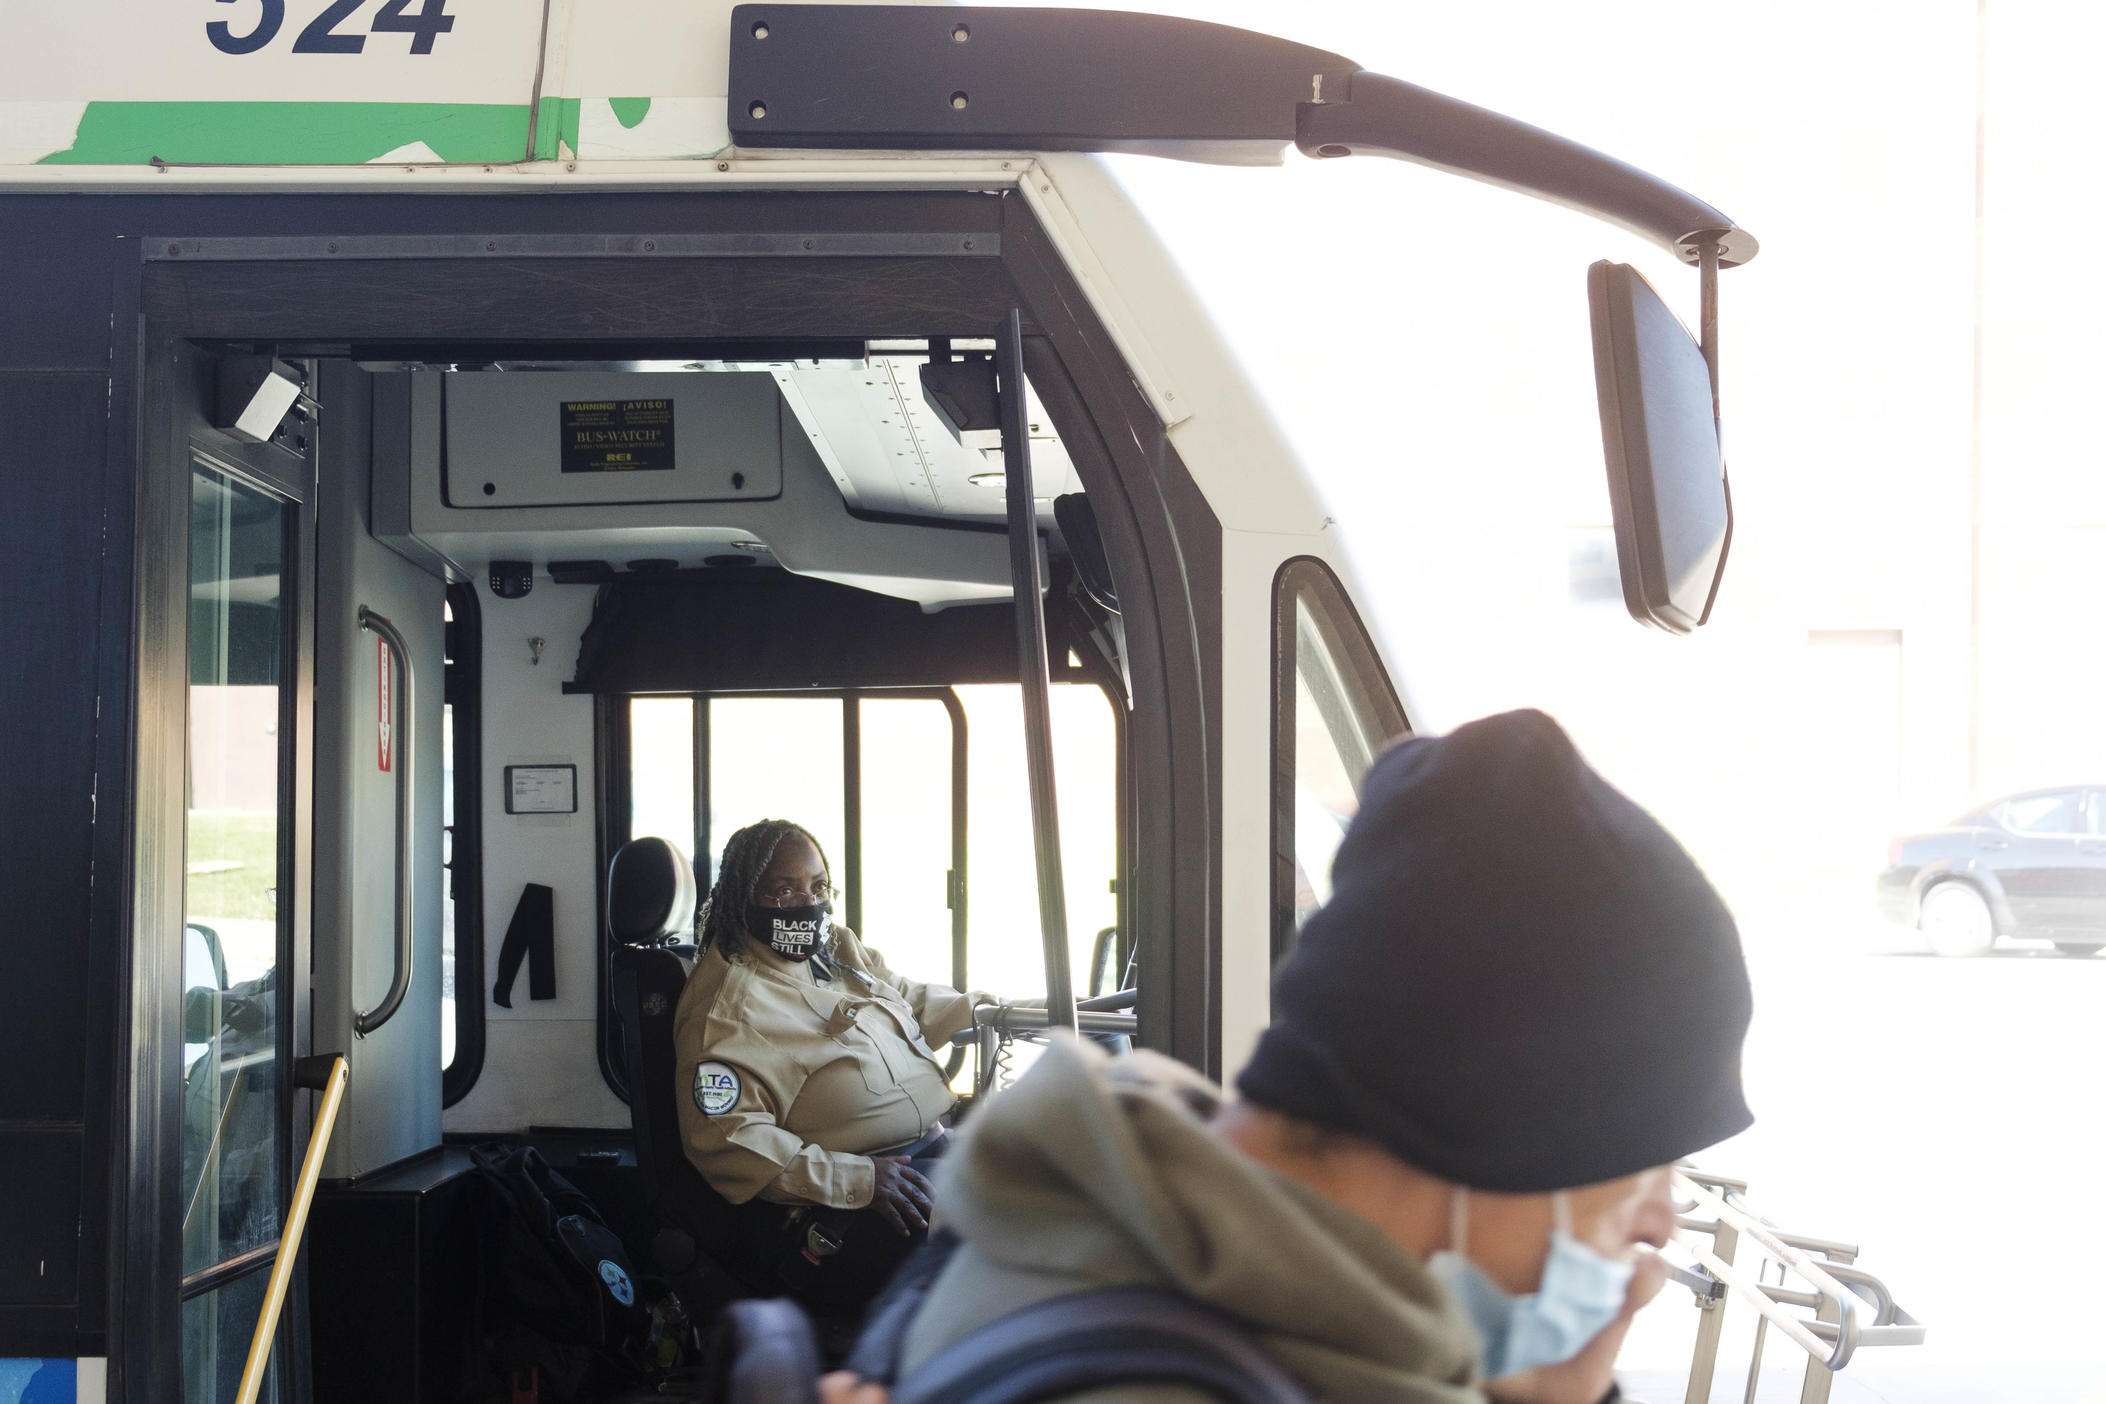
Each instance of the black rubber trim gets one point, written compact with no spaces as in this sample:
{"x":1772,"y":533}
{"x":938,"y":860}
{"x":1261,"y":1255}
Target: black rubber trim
{"x":464,"y":693}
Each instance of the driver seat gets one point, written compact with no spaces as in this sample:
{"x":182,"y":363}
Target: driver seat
{"x":651,"y":896}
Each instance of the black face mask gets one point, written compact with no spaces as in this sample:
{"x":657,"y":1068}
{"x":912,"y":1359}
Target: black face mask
{"x":794,"y":933}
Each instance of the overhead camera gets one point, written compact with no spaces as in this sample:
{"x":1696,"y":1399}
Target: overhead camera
{"x":511,"y":580}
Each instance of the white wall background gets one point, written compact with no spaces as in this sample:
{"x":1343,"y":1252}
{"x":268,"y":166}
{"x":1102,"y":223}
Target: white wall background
{"x":539,"y":1065}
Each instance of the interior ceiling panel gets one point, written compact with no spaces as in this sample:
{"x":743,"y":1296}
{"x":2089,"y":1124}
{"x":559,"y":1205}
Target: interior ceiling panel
{"x":892,"y":452}
{"x":883,"y":445}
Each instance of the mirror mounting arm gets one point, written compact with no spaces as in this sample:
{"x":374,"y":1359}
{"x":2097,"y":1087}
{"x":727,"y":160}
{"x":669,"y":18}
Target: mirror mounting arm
{"x":1707,"y":342}
{"x":1707,"y":314}
{"x":1011,"y":78}
{"x":1385,"y":116}
{"x":1707,"y":322}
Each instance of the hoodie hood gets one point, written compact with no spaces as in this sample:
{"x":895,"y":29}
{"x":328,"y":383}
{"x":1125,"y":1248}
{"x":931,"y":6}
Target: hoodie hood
{"x":1093,"y":1172}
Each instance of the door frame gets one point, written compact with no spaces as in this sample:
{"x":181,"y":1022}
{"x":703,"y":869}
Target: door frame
{"x":395,"y":271}
{"x":173,"y":440}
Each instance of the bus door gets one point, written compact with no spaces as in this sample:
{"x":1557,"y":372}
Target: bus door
{"x":236,"y":619}
{"x":379,"y":802}
{"x":294,"y":764}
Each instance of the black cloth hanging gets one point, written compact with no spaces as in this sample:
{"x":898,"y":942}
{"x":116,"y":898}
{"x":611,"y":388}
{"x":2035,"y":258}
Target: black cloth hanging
{"x":531,"y":937}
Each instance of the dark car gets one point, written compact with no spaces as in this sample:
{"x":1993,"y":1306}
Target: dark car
{"x":2031,"y":865}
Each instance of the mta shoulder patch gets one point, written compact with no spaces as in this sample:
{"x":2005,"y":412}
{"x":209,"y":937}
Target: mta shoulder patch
{"x":716,"y":1089}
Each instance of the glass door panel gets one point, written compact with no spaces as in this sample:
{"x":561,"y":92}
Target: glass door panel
{"x":217,"y":1328}
{"x":662,"y":774}
{"x":234,"y":868}
{"x":1333,"y":713}
{"x":906,"y":792}
{"x":1006,"y":953}
{"x":776,"y":758}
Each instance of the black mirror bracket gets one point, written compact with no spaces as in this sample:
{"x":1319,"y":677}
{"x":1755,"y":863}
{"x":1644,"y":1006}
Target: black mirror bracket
{"x":1707,"y":317}
{"x":1003,"y":78}
{"x":1382,"y":116}
{"x":1707,"y":252}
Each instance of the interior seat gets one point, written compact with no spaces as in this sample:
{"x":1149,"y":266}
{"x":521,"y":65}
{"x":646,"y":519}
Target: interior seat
{"x":651,"y":897}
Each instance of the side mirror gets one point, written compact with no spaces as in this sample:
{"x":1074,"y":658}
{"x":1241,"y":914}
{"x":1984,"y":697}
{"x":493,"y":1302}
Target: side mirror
{"x":204,"y":961}
{"x":1667,"y":478}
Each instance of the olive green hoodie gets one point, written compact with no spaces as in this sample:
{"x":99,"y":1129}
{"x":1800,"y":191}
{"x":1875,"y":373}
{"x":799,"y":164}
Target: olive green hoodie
{"x":1094,"y":1172}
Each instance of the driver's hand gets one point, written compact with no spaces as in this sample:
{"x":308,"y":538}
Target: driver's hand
{"x":903,"y":1195}
{"x":1587,"y":1377}
{"x":841,"y":1387}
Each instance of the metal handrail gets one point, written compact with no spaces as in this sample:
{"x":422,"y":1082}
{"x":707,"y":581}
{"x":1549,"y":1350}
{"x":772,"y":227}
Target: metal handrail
{"x":1890,"y":1325}
{"x":1828,"y":1356}
{"x":1840,"y":1290}
{"x":996,"y":1024}
{"x":1702,"y":1285}
{"x":1886,"y":1311}
{"x":404,"y":755}
{"x":1033,"y":680}
{"x":1010,"y":1018}
{"x":1020,"y":1021}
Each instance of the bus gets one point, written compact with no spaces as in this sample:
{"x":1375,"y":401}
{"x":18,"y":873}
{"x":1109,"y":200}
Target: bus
{"x":447,"y":444}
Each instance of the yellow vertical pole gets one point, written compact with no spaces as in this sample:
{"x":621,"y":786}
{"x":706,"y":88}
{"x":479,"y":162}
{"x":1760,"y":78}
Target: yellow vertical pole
{"x":295,"y":1225}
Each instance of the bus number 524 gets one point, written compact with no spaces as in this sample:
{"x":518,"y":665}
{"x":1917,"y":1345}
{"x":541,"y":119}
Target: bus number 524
{"x":321,"y":37}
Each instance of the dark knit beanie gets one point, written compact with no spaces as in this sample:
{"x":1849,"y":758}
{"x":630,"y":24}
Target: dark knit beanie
{"x":1521,"y":982}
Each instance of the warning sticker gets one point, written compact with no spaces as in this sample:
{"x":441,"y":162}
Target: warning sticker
{"x":617,"y":436}
{"x":387,"y":705}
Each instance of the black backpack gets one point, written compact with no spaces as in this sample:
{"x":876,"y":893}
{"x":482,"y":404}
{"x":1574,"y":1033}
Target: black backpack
{"x":765,"y":1354}
{"x":561,"y":1295}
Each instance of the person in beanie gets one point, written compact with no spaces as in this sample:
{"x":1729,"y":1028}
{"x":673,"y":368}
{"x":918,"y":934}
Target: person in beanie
{"x":1522,"y":1004}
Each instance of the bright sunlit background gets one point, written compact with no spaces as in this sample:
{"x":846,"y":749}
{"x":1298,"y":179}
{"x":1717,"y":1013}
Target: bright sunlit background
{"x":1902,"y":634}
{"x":1908,"y":373}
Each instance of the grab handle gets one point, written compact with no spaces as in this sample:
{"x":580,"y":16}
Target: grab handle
{"x":404,"y":747}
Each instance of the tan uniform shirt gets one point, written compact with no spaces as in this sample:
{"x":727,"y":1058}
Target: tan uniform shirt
{"x":794,"y":1081}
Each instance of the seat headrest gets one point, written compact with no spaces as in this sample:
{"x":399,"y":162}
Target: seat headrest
{"x":650,"y":894}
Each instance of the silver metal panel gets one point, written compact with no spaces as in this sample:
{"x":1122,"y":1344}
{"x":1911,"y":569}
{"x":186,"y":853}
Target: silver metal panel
{"x":389,"y":499}
{"x":890,"y":451}
{"x":392,"y":1107}
{"x":807,"y":528}
{"x":506,"y":439}
{"x":853,"y":418}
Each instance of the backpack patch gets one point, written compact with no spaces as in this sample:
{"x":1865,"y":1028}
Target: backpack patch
{"x":617,"y":1282}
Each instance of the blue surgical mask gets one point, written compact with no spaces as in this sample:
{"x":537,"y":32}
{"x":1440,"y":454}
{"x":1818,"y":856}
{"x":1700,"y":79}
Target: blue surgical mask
{"x":1580,"y":1294}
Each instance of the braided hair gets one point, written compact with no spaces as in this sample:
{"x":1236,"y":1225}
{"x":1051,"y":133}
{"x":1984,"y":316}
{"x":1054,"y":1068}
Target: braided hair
{"x":746,"y":856}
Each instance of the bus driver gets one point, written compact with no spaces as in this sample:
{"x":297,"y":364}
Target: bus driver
{"x":814,"y":1080}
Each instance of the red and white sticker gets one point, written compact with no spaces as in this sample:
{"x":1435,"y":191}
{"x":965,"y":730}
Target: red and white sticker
{"x":387,"y":705}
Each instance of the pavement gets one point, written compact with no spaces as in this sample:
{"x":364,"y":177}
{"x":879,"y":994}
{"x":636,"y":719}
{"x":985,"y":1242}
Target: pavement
{"x":1946,"y":1116}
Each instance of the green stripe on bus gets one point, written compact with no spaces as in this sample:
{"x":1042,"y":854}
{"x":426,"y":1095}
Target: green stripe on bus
{"x":312,"y":133}
{"x":559,"y":122}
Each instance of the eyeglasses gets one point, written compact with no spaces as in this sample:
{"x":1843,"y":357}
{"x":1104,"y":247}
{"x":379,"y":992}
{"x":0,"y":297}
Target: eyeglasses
{"x":794,"y":894}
